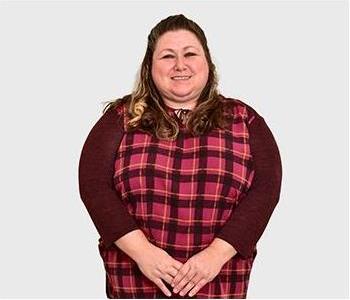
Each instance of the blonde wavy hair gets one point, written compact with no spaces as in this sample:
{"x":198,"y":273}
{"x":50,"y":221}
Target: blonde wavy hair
{"x":146,"y":109}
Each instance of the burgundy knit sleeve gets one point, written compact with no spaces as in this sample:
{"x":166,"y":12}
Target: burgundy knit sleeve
{"x":249,"y":219}
{"x":96,"y":170}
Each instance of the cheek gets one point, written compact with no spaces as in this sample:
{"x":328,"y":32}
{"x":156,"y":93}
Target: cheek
{"x":154,"y":71}
{"x":158,"y":71}
{"x":155,"y":75}
{"x":203,"y":69}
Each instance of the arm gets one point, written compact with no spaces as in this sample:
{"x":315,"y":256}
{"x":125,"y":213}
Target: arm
{"x":96,"y":187}
{"x":134,"y":244}
{"x":249,"y":220}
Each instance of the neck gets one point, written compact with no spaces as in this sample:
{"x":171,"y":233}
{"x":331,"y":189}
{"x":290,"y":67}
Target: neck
{"x":175,"y":106}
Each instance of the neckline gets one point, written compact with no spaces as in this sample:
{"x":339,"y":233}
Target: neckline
{"x":172,"y":109}
{"x":178,"y":113}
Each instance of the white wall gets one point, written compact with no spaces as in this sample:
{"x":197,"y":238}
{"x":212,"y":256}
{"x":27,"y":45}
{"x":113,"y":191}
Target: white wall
{"x":60,"y":60}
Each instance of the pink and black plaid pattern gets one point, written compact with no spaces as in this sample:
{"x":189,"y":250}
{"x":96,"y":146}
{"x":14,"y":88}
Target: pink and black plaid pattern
{"x":181,"y":193}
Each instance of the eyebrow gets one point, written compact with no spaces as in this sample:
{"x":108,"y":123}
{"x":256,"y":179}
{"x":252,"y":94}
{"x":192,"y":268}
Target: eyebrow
{"x":171,"y":50}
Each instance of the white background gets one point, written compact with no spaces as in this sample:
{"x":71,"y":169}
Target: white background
{"x":60,"y":60}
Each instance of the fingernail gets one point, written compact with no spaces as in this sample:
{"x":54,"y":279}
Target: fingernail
{"x":173,"y":284}
{"x":175,"y":290}
{"x":169,"y":294}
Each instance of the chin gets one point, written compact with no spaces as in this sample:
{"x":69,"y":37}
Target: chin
{"x":182,"y":97}
{"x":181,"y":94}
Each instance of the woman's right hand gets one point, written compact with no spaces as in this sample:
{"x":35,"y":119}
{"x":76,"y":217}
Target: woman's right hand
{"x":156,"y":264}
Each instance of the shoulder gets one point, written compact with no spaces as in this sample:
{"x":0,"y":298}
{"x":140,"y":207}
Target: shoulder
{"x":118,"y":106}
{"x":240,"y":108}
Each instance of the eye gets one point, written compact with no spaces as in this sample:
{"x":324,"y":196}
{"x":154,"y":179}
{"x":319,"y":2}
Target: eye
{"x":167,"y":56}
{"x":190,"y":54}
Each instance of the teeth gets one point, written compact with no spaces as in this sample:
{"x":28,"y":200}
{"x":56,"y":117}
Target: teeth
{"x":181,"y":77}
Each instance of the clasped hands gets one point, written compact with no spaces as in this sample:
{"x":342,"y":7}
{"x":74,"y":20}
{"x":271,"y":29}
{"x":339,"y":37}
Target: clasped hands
{"x":157,"y":265}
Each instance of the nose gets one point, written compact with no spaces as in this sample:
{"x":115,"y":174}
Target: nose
{"x":180,"y":64}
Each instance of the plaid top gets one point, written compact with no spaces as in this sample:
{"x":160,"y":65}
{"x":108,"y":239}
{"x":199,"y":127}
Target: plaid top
{"x":182,"y":194}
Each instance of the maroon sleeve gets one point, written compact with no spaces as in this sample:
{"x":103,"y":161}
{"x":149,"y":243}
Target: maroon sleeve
{"x":249,"y":219}
{"x":96,"y":187}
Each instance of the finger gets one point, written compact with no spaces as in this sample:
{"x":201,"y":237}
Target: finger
{"x":191,"y":284}
{"x":162,"y":286}
{"x":185,"y":280}
{"x":177,"y":265}
{"x":167,"y":277}
{"x":181,"y":274}
{"x":187,"y":287}
{"x":198,"y":287}
{"x":173,"y":271}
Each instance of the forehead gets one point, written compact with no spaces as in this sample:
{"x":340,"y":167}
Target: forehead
{"x":177,"y":40}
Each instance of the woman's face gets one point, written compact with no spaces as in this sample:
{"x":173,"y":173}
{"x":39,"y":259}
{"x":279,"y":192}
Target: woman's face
{"x":179,"y":68}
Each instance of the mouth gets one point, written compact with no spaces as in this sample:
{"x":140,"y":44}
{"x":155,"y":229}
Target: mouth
{"x":181,"y":77}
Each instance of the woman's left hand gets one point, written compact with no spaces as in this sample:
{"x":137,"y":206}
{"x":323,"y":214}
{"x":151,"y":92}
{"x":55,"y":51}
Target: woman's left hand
{"x":198,"y":270}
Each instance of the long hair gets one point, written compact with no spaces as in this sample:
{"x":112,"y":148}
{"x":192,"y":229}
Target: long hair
{"x":146,"y":108}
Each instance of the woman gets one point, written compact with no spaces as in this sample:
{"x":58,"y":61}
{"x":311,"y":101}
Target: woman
{"x":179,"y":180}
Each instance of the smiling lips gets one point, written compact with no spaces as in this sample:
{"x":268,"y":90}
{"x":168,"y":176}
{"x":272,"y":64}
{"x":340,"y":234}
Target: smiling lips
{"x":181,"y":77}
